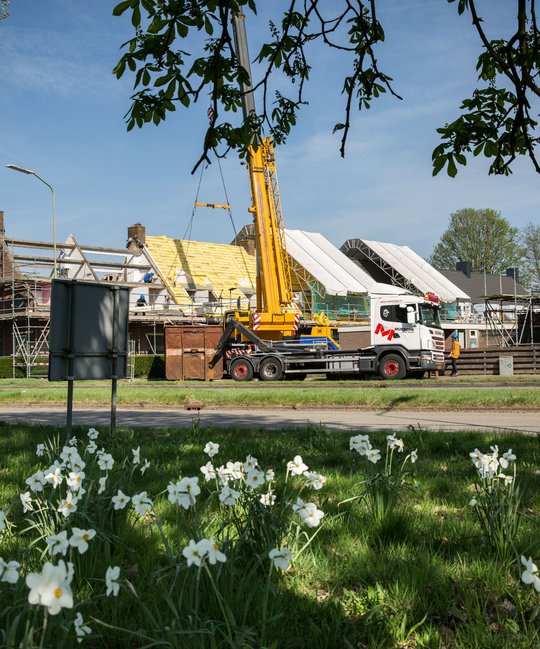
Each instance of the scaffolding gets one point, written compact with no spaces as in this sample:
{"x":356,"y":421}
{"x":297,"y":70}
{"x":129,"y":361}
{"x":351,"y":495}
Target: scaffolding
{"x":513,"y":320}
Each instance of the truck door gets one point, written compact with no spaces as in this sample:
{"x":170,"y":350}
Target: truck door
{"x":395,"y":324}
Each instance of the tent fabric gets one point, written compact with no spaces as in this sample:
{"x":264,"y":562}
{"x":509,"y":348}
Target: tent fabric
{"x":417,"y":270}
{"x":332,"y":268}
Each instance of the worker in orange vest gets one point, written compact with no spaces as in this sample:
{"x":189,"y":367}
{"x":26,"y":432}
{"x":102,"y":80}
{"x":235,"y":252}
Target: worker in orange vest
{"x":454,"y":352}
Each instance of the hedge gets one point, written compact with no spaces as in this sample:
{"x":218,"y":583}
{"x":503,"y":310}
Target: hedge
{"x":150,"y":367}
{"x":6,"y":369}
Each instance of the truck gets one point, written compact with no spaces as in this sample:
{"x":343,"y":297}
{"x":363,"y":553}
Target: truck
{"x":270,"y":342}
{"x":406,"y":341}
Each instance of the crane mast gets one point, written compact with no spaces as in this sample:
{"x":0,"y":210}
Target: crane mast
{"x":275,"y":317}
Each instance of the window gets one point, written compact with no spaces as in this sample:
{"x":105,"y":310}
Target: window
{"x":394,"y":313}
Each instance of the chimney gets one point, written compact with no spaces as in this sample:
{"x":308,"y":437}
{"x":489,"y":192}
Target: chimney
{"x":464,"y":267}
{"x":136,"y":234}
{"x":513,"y":273}
{"x":246,"y":239}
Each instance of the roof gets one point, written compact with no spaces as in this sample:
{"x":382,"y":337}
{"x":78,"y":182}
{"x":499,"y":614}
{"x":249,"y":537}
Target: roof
{"x":228,"y":271}
{"x":331,"y":267}
{"x":479,"y":285}
{"x":416,"y":270}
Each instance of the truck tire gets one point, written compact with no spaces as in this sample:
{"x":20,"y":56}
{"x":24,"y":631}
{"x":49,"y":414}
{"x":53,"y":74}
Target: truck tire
{"x":241,"y":370}
{"x":270,"y":369}
{"x":392,"y":367}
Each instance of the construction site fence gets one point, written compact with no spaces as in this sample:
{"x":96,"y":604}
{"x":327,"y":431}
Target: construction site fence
{"x":526,"y":360}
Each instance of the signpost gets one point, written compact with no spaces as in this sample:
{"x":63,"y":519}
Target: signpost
{"x":89,"y":336}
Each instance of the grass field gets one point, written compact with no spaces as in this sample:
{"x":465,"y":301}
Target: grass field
{"x":373,"y":395}
{"x":424,"y":577}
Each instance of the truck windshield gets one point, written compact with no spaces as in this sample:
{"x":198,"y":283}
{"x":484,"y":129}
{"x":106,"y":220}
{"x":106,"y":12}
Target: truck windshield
{"x":429,"y":315}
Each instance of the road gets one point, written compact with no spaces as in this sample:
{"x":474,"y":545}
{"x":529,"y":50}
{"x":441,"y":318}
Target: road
{"x":527,"y":421}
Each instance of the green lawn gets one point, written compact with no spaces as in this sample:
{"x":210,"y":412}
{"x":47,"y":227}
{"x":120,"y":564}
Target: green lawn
{"x":423,"y":577}
{"x":321,"y":394}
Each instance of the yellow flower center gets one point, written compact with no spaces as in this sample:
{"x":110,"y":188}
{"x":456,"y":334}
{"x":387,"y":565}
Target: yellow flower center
{"x":69,"y":505}
{"x":216,"y":546}
{"x":58,"y":592}
{"x":85,"y":537}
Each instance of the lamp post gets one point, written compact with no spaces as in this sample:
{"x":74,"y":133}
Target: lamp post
{"x":33,"y":173}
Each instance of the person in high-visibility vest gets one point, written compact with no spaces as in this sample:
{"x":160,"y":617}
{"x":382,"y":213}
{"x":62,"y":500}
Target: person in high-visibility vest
{"x":454,"y":353}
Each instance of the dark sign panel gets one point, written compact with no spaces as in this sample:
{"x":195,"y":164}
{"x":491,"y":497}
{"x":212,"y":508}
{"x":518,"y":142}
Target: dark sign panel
{"x":89,"y":331}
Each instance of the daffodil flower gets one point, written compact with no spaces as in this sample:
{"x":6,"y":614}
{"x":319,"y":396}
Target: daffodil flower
{"x":296,"y":466}
{"x":255,"y":479}
{"x":208,"y":471}
{"x":26,"y":501}
{"x":211,"y":449}
{"x":373,"y":455}
{"x":74,"y":479}
{"x":314,"y":480}
{"x":52,"y":587}
{"x":9,"y":571}
{"x":194,"y":553}
{"x":80,"y":538}
{"x":145,"y":466}
{"x":269,"y":475}
{"x":250,"y":464}
{"x":36,"y":481}
{"x":102,"y":484}
{"x":93,"y":434}
{"x":529,"y":575}
{"x":136,"y":455}
{"x":54,"y":475}
{"x":80,"y":628}
{"x":111,"y":581}
{"x":91,"y":447}
{"x":105,"y":461}
{"x":268,"y":499}
{"x":212,"y":551}
{"x":57,"y":543}
{"x":68,"y":505}
{"x":40,"y":450}
{"x":229,"y":496}
{"x":280,"y":558}
{"x":141,"y":503}
{"x":120,"y":500}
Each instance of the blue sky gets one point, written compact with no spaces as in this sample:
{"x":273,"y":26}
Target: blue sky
{"x":62,"y":112}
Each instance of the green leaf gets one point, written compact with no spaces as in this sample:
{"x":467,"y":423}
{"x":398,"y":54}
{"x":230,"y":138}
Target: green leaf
{"x":452,"y":169}
{"x":438,"y":164}
{"x":121,"y":7}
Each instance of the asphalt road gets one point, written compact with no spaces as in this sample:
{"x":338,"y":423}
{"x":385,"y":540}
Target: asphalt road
{"x":275,"y":419}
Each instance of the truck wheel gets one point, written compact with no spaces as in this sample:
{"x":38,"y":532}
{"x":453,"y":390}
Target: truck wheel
{"x":241,"y":370}
{"x":392,"y":367}
{"x":270,"y":370}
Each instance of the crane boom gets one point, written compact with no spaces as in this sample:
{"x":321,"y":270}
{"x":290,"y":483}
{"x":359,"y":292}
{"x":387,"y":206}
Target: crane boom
{"x":275,"y":308}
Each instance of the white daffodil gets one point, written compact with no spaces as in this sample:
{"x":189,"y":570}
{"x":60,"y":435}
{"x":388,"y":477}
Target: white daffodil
{"x":68,"y":505}
{"x":477,"y":458}
{"x":141,"y":503}
{"x":40,"y":450}
{"x":102,"y":484}
{"x":120,"y":500}
{"x":51,"y":587}
{"x":145,"y":466}
{"x":58,"y":543}
{"x":76,"y":464}
{"x":36,"y":481}
{"x":473,"y":502}
{"x":73,"y":441}
{"x":80,"y":538}
{"x":250,"y":463}
{"x":93,"y":434}
{"x":211,"y":449}
{"x":529,"y":575}
{"x":235,"y":470}
{"x":105,"y":461}
{"x":413,"y":456}
{"x":54,"y":475}
{"x":208,"y":471}
{"x":80,"y":628}
{"x":229,"y":496}
{"x":9,"y":571}
{"x":91,"y":448}
{"x":373,"y":455}
{"x":268,"y":499}
{"x":506,"y":458}
{"x":136,"y":455}
{"x":26,"y":501}
{"x":495,"y":451}
{"x":280,"y":558}
{"x":360,"y":444}
{"x":507,"y":479}
{"x":296,"y":466}
{"x":74,"y":479}
{"x":195,"y":552}
{"x":212,"y":551}
{"x":3,"y":524}
{"x":310,"y":515}
{"x":314,"y":480}
{"x":111,"y":581}
{"x":68,"y":452}
{"x":255,"y":479}
{"x":223,"y":476}
{"x":270,"y":475}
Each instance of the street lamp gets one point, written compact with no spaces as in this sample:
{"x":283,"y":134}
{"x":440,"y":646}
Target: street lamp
{"x":33,"y":173}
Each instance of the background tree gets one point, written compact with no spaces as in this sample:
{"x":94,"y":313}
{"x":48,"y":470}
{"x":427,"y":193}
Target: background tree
{"x":498,"y":120}
{"x":483,"y":237}
{"x":4,"y":11}
{"x":530,"y":267}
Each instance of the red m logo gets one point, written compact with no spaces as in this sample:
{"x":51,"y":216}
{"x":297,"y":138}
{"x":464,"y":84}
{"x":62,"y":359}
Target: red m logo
{"x":388,"y":333}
